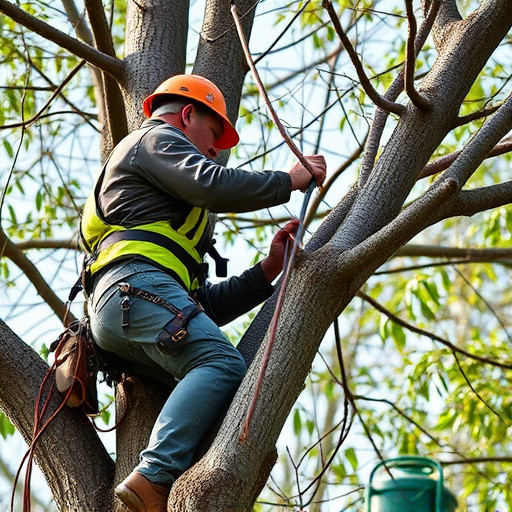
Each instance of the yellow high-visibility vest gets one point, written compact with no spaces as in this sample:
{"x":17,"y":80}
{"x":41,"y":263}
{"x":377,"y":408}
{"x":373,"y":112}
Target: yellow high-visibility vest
{"x":173,"y":249}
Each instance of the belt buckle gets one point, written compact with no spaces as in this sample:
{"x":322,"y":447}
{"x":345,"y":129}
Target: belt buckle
{"x":179,"y":335}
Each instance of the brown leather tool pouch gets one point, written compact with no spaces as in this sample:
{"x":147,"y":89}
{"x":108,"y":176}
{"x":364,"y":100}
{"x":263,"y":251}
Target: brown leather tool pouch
{"x":76,"y":367}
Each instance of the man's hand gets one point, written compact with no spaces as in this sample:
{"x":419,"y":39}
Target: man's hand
{"x":301,"y":177}
{"x":273,"y":263}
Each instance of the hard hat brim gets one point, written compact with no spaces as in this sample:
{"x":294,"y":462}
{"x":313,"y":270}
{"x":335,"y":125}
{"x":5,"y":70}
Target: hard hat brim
{"x":229,"y":137}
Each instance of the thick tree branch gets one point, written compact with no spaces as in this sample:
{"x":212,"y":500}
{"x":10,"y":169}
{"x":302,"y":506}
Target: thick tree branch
{"x":155,"y":49}
{"x":114,"y":103}
{"x":70,"y":453}
{"x":112,"y":66}
{"x":330,"y":180}
{"x":100,"y":27}
{"x":448,"y":16}
{"x":409,"y":222}
{"x":379,"y":100}
{"x":469,"y":254}
{"x":83,"y":31}
{"x":470,"y":202}
{"x":481,"y":144}
{"x":11,"y":251}
{"x":70,"y":243}
{"x":419,"y":101}
{"x":442,"y":163}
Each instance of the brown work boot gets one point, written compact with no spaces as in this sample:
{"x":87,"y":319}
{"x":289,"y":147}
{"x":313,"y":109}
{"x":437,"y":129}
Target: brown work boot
{"x":141,"y":495}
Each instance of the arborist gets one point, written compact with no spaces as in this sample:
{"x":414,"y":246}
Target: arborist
{"x":146,"y":227}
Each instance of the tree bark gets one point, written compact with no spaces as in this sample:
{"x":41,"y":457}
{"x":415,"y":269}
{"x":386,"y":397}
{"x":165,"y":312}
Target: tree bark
{"x":78,"y":469}
{"x":155,"y":49}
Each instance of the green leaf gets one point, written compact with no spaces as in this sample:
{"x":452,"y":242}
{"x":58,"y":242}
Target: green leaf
{"x":6,"y":427}
{"x":297,"y":423}
{"x":8,"y":148}
{"x":351,"y":456}
{"x":398,"y":336}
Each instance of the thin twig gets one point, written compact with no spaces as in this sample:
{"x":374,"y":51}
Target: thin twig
{"x":108,"y":64}
{"x":474,"y":116}
{"x":468,"y":382}
{"x":379,"y":100}
{"x":419,"y":101}
{"x":379,"y":122}
{"x":442,"y":163}
{"x":348,"y":399}
{"x":349,"y":394}
{"x":417,"y":330}
{"x":295,"y":150}
{"x":486,"y":302}
{"x":422,"y":429}
{"x":283,"y":32}
{"x":48,"y":103}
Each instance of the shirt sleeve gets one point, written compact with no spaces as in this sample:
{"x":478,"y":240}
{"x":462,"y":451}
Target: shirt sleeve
{"x":169,"y":161}
{"x":229,"y":299}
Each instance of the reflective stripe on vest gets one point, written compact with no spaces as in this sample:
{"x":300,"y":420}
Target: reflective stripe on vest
{"x":177,"y":253}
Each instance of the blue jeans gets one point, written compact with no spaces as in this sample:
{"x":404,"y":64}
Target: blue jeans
{"x":208,"y":368}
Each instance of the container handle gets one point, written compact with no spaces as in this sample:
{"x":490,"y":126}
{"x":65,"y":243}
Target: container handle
{"x":407,"y":461}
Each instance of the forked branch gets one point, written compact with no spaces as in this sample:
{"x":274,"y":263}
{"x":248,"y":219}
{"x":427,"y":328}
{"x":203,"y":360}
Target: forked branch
{"x":379,"y":100}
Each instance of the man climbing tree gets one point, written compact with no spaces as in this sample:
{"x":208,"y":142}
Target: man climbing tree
{"x":147,"y":226}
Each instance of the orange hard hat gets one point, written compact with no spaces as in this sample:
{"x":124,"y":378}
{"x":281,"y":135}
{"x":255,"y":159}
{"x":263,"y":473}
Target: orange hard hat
{"x":200,"y":89}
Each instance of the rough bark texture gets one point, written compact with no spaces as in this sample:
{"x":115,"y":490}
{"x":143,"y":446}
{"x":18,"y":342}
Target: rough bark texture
{"x":220,"y":43}
{"x":77,"y":467}
{"x":156,"y":39}
{"x":326,"y":281}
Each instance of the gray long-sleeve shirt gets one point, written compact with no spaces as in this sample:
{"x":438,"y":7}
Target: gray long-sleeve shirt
{"x":156,"y":173}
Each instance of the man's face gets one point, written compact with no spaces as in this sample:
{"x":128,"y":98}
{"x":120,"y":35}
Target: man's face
{"x":203,"y":130}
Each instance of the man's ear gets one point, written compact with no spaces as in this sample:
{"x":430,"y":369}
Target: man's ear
{"x":186,"y":114}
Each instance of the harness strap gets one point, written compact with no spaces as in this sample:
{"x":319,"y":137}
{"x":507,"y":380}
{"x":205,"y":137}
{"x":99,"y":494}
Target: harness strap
{"x":142,"y":235}
{"x":174,"y":330}
{"x":221,"y":268}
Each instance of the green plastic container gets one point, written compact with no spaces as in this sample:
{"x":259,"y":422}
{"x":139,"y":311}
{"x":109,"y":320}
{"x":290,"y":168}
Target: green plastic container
{"x":413,"y":487}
